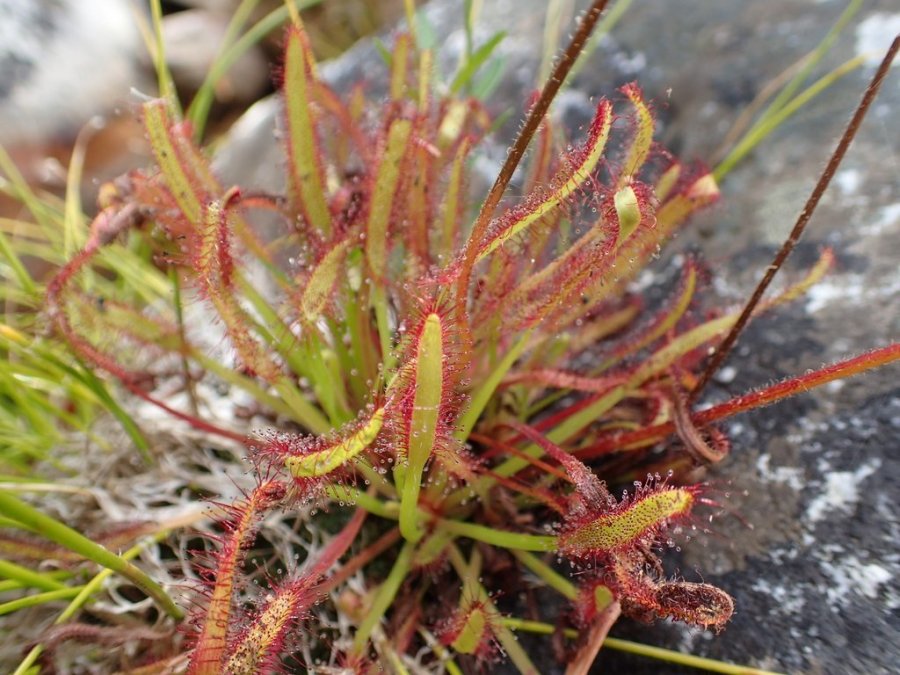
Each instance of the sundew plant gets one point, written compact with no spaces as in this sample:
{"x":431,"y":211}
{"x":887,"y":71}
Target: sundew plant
{"x":460,"y":387}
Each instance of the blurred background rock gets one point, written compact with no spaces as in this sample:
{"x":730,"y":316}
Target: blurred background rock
{"x":69,"y":65}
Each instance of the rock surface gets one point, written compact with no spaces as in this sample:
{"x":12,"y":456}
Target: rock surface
{"x":810,"y":554}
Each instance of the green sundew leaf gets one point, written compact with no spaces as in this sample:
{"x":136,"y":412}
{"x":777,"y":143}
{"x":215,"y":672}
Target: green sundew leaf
{"x":158,"y":125}
{"x":322,"y":462}
{"x":383,"y":197}
{"x":65,"y":536}
{"x":628,"y":212}
{"x":304,"y":165}
{"x":319,"y":287}
{"x":628,"y":526}
{"x":471,"y":65}
{"x":643,"y":135}
{"x":428,"y":386}
{"x":471,"y":634}
{"x":590,"y":156}
{"x":400,"y":66}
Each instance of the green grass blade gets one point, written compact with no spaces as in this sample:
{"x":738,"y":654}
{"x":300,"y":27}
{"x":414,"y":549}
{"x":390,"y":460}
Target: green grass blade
{"x":64,"y":535}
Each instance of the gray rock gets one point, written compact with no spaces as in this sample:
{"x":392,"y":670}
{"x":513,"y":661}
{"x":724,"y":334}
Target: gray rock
{"x":61,"y":62}
{"x":193,"y":41}
{"x":810,"y":554}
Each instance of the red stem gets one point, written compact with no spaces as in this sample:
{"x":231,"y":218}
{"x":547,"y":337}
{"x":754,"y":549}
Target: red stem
{"x":751,"y":401}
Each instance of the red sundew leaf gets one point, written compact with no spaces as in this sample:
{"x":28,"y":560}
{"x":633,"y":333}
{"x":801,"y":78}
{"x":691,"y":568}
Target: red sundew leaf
{"x":709,"y":451}
{"x":558,"y":379}
{"x":470,"y":630}
{"x":258,"y":646}
{"x":594,"y":596}
{"x":665,"y":321}
{"x":641,"y":139}
{"x":701,"y":605}
{"x":207,"y":213}
{"x":108,"y":222}
{"x":382,"y":200}
{"x":542,"y":157}
{"x":633,"y":575}
{"x":452,"y":208}
{"x":591,"y":490}
{"x":348,"y":138}
{"x":757,"y":399}
{"x":190,"y":184}
{"x":691,"y":194}
{"x":556,"y":288}
{"x":582,"y":163}
{"x":210,"y":651}
{"x":419,"y":209}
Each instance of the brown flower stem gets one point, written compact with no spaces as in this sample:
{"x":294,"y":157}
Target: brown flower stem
{"x":587,"y":654}
{"x":806,"y":214}
{"x":517,"y":151}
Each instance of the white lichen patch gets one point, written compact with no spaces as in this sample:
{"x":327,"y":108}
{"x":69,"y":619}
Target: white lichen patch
{"x":848,"y":180}
{"x":790,"y":475}
{"x":789,"y":599}
{"x":874,"y":35}
{"x":888,"y":217}
{"x":841,"y":491}
{"x":849,"y":288}
{"x":848,"y":574}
